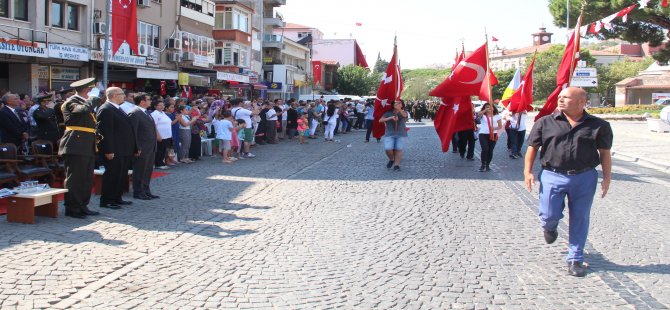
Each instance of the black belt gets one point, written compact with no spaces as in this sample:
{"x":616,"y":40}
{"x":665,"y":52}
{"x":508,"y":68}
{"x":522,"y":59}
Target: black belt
{"x":566,"y":172}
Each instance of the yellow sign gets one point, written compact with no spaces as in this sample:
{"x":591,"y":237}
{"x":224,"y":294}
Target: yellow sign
{"x":182,"y":78}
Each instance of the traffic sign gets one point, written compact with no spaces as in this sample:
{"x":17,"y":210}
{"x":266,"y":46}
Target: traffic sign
{"x":585,"y":77}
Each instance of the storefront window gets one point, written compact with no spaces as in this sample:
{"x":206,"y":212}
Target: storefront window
{"x":21,"y":9}
{"x":73,"y":17}
{"x":57,"y":14}
{"x":4,"y":8}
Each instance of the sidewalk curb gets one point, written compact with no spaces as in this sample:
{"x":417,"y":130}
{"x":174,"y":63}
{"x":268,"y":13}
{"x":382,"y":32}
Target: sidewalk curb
{"x":643,"y":161}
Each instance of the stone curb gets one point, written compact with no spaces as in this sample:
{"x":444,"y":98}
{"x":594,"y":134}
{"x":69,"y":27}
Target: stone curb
{"x":644,"y":162}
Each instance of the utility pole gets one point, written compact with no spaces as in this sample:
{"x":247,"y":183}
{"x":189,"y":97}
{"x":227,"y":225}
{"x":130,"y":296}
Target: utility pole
{"x":105,"y":63}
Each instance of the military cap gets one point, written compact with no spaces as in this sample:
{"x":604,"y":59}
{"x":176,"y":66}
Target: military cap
{"x":43,"y":97}
{"x":83,"y":83}
{"x":65,"y":91}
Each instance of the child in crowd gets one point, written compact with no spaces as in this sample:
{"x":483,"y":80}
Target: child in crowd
{"x":224,"y":128}
{"x":303,"y":129}
{"x":234,"y":142}
{"x":241,"y":125}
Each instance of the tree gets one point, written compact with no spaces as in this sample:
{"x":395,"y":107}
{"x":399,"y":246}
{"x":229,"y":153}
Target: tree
{"x":380,"y":64}
{"x":419,"y":82}
{"x":546,"y":69}
{"x":355,"y":80}
{"x":619,"y":70}
{"x":643,"y":26}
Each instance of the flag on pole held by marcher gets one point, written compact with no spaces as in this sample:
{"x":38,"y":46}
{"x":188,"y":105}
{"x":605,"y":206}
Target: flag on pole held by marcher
{"x":390,"y":89}
{"x":565,"y":70}
{"x":522,"y":99}
{"x":124,"y":24}
{"x":467,"y":78}
{"x":485,"y":90}
{"x":511,"y":88}
{"x":453,"y":115}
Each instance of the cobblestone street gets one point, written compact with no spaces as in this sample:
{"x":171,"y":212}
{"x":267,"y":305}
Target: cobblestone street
{"x":326,"y":225}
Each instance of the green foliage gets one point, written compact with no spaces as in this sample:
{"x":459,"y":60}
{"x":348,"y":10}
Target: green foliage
{"x":354,"y":80}
{"x":380,"y":65}
{"x":419,"y":82}
{"x":643,"y":26}
{"x":629,"y":109}
{"x":608,"y":76}
{"x":504,"y":78}
{"x":546,"y":68}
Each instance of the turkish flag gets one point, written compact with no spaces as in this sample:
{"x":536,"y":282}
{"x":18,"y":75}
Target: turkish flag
{"x":453,"y":115}
{"x":360,"y":58}
{"x":163,"y":91}
{"x":317,"y":67}
{"x":664,"y":3}
{"x":570,"y":58}
{"x":466,"y":79}
{"x":522,"y":99}
{"x":124,"y":24}
{"x":390,"y":89}
{"x":485,"y":89}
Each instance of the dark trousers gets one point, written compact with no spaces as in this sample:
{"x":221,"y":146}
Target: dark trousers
{"x":359,"y":120}
{"x":270,"y":131}
{"x":517,"y":137}
{"x":487,"y":149}
{"x":142,"y":168}
{"x":161,"y":148}
{"x":368,"y":126}
{"x":196,"y":146}
{"x":466,"y":138}
{"x":454,"y":142}
{"x":508,"y":131}
{"x":78,"y":181}
{"x":115,"y":178}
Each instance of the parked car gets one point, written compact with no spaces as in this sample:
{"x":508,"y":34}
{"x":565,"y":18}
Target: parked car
{"x":663,"y":101}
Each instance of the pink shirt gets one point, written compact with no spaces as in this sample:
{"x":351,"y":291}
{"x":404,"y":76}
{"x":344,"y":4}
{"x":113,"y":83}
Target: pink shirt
{"x":301,"y":125}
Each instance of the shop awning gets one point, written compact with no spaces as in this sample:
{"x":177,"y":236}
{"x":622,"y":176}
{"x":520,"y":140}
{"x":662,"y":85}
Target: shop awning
{"x":157,"y":74}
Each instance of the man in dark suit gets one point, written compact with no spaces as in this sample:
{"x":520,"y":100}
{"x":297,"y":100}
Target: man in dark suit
{"x":77,"y":146}
{"x":145,"y":139}
{"x":117,"y":146}
{"x":13,"y":128}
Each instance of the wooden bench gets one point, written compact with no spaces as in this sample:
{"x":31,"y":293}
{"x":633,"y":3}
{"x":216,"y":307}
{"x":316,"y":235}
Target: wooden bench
{"x":24,"y":206}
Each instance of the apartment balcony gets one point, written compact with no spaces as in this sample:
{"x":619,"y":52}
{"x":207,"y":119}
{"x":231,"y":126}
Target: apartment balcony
{"x":273,"y":41}
{"x":201,"y":11}
{"x":275,"y":2}
{"x":273,"y":19}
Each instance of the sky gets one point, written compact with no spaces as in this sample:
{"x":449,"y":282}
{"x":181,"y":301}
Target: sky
{"x":428,"y":31}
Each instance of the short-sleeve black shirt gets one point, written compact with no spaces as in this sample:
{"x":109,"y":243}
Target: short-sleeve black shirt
{"x":565,"y":148}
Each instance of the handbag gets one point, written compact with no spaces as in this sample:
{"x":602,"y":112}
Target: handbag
{"x":326,"y":121}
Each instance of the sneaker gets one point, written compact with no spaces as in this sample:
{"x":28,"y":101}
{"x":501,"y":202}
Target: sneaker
{"x":163,"y":167}
{"x":396,"y":168}
{"x":482,"y":169}
{"x":250,"y":155}
{"x":577,"y":269}
{"x":389,"y":164}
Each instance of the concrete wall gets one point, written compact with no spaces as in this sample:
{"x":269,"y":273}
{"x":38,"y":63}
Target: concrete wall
{"x":341,"y":51}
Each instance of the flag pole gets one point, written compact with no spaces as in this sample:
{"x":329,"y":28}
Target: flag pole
{"x":488,"y":68}
{"x":105,"y":62}
{"x":575,"y":46}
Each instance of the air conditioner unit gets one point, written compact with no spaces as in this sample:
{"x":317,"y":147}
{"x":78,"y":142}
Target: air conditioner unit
{"x":143,"y":3}
{"x":99,"y":28}
{"x":174,"y":57}
{"x":188,"y":56}
{"x":174,"y":44}
{"x":143,"y":49}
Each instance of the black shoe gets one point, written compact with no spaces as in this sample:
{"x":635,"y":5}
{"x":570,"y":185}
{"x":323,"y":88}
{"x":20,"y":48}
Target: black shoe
{"x":123,"y":203}
{"x":577,"y":269}
{"x":152,"y":196}
{"x":396,"y":168}
{"x":90,"y":212}
{"x":142,"y":197}
{"x":470,"y":159}
{"x":76,"y":215}
{"x":488,"y":168}
{"x":110,"y":206}
{"x":482,"y":169}
{"x":550,"y":236}
{"x":454,"y":151}
{"x":462,"y":156}
{"x":389,"y":164}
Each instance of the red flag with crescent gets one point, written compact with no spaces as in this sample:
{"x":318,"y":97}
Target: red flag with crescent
{"x":466,"y":79}
{"x":124,"y":24}
{"x":453,"y":115}
{"x":390,"y":89}
{"x":317,"y":71}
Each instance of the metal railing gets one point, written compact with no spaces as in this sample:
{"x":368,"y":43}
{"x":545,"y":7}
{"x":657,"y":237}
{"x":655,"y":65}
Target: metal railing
{"x":23,"y":34}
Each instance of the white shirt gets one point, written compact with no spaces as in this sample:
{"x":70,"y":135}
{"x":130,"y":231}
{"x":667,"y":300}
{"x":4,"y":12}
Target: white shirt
{"x":333,"y":119}
{"x":360,"y":107}
{"x":242,"y":113}
{"x":125,"y":106}
{"x":223,"y":128}
{"x":484,"y":126}
{"x":30,"y":114}
{"x":665,"y":114}
{"x":163,"y":124}
{"x":271,"y":114}
{"x":520,"y":119}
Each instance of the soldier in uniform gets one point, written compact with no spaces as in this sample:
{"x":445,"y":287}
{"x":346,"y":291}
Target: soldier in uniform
{"x":78,"y":148}
{"x":64,"y":94}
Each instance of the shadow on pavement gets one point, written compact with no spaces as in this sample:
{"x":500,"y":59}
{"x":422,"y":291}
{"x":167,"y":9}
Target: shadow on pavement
{"x":598,"y":262}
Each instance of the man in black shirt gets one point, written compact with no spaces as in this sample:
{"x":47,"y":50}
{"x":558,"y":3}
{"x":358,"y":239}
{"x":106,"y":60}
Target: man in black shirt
{"x":571,"y":143}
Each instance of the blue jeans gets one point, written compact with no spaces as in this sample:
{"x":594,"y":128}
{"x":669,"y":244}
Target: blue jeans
{"x":516,"y":137}
{"x":368,"y":126}
{"x":394,"y":143}
{"x":579,"y":189}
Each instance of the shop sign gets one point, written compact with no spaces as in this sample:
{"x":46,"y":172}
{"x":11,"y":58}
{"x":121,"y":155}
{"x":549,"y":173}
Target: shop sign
{"x":227,"y":76}
{"x":253,"y":77}
{"x":201,"y":61}
{"x":23,"y":49}
{"x":119,"y":58}
{"x":68,"y":52}
{"x":273,"y":86}
{"x":182,"y":78}
{"x":43,"y":72}
{"x":64,"y":73}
